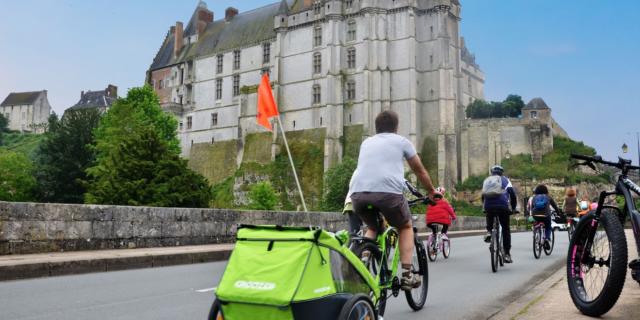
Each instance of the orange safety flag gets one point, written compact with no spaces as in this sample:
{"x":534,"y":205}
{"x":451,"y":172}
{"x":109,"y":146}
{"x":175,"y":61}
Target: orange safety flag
{"x":267,"y":107}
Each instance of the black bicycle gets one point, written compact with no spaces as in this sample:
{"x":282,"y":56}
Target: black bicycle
{"x":495,"y":248}
{"x":597,"y":258}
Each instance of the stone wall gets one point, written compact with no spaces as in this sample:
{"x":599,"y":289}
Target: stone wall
{"x":39,"y":227}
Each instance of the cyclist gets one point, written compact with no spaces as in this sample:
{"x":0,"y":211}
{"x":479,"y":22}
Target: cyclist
{"x":541,"y":211}
{"x":499,"y":200}
{"x":440,"y":213}
{"x":570,"y":204}
{"x":378,"y":185}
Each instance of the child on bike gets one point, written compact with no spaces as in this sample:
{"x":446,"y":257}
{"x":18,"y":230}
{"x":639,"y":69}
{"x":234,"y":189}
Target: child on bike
{"x":440,"y":213}
{"x":541,"y":204}
{"x":570,"y":205}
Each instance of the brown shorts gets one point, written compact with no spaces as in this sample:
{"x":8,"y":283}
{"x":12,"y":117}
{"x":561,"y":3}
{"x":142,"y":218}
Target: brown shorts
{"x":394,"y":207}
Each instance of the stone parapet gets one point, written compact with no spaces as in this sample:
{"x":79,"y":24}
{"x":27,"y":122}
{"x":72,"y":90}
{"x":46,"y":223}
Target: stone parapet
{"x":47,"y":227}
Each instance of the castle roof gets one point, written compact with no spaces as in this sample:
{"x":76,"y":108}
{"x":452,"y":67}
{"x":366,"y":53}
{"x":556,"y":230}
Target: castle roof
{"x":536,"y":103}
{"x":244,"y":29}
{"x":21,"y":98}
{"x":94,"y":99}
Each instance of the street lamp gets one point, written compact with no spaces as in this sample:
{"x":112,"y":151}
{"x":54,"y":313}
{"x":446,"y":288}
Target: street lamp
{"x":625,"y":148}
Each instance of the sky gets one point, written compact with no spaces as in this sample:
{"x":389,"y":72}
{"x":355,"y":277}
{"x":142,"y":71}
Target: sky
{"x":580,"y":56}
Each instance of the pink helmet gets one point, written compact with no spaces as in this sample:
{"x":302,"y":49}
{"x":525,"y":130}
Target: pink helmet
{"x":441,"y":190}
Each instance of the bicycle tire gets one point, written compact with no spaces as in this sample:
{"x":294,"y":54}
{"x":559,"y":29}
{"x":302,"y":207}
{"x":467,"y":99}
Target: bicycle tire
{"x":537,"y":242}
{"x":571,"y":230}
{"x":578,"y":259}
{"x":495,"y":247}
{"x":552,"y":241}
{"x":423,"y":271}
{"x":358,"y":303}
{"x":215,"y":313}
{"x":374,"y":267}
{"x":446,"y":248}
{"x":432,"y":253}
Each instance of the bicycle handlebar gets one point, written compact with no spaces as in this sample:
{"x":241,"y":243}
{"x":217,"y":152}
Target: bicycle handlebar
{"x":621,"y":164}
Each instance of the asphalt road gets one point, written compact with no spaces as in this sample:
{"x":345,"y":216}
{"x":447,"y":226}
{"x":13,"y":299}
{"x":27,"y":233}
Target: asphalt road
{"x":462,"y":287}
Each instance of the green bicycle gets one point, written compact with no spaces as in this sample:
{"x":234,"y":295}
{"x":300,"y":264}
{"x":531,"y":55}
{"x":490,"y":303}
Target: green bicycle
{"x":384,"y":257}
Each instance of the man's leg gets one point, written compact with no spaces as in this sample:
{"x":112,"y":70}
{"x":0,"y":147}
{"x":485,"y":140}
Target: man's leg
{"x":445,"y":228}
{"x":547,"y":228}
{"x":489,"y":215}
{"x":506,"y":232}
{"x":406,"y":244}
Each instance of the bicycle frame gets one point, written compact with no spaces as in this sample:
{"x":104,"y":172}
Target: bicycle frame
{"x":381,"y":239}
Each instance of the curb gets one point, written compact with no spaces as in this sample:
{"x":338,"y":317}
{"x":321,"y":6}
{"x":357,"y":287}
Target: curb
{"x":23,"y":271}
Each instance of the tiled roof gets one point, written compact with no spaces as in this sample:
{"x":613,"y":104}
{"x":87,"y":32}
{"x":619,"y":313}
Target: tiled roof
{"x":536,"y":103}
{"x":244,"y":29}
{"x":21,"y":98}
{"x":94,"y":99}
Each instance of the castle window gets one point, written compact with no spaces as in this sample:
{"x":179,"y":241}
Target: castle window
{"x":236,"y":60}
{"x":351,"y":58}
{"x":431,"y":28}
{"x":189,"y":123}
{"x":317,"y":36}
{"x":236,"y":85}
{"x":351,"y":90}
{"x":181,"y":125}
{"x":214,"y":119}
{"x":213,"y":140}
{"x":218,"y":89}
{"x":219,"y":64}
{"x":351,"y":30}
{"x":320,"y":120}
{"x":316,"y":94}
{"x":534,"y":114}
{"x":349,"y":4}
{"x":317,"y":63}
{"x":431,"y":59}
{"x":317,"y":6}
{"x":294,"y":124}
{"x":161,"y":85}
{"x":266,"y":52}
{"x":349,"y":117}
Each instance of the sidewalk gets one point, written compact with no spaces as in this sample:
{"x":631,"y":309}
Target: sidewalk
{"x":550,"y":299}
{"x":13,"y":267}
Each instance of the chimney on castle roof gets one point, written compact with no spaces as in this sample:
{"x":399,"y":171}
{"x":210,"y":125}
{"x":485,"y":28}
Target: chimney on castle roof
{"x":203,"y":17}
{"x":177,"y":38}
{"x":111,"y":91}
{"x":230,"y":13}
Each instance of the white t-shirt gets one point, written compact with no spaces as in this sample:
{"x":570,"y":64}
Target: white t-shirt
{"x":381,"y":164}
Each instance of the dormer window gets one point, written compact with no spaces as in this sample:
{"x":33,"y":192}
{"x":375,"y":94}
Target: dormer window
{"x":534,"y":114}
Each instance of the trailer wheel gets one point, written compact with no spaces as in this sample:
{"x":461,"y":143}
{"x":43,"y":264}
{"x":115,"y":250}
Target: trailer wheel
{"x":358,"y":307}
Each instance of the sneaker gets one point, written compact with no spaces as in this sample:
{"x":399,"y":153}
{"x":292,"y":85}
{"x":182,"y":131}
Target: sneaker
{"x":409,"y":281}
{"x":487,"y":237}
{"x":547,"y":244}
{"x":507,"y":258}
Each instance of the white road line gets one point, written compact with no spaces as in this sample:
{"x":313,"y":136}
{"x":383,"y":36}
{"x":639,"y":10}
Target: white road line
{"x":207,"y":290}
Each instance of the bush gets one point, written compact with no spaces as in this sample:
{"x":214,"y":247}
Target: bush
{"x":262,"y":196}
{"x":16,"y":177}
{"x":336,"y":183}
{"x":463,"y":208}
{"x":471,"y":183}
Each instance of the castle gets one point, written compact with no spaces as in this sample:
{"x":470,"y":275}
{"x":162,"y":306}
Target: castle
{"x":334,"y":65}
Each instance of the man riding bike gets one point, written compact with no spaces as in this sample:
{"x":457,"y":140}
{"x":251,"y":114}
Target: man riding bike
{"x":378,"y":185}
{"x":499,"y":200}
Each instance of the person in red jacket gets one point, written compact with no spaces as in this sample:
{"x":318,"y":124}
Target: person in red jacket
{"x":440,"y":213}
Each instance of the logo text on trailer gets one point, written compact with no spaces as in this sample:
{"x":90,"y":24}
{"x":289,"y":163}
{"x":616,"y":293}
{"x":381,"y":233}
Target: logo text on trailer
{"x":254,"y":285}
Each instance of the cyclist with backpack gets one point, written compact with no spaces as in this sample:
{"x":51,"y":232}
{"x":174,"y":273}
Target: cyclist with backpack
{"x":499,"y":201}
{"x":541,"y":204}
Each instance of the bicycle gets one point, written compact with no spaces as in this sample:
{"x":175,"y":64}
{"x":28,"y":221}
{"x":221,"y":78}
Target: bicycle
{"x":571,"y":226}
{"x":539,"y":239}
{"x":495,"y":248}
{"x":383,"y":259}
{"x":597,"y":257}
{"x":441,"y":243}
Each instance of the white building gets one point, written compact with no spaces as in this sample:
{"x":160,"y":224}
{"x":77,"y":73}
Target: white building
{"x":333,"y":63}
{"x":26,"y":111}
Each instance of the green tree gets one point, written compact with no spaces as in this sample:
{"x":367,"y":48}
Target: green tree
{"x":262,"y":196}
{"x":65,"y":154}
{"x":336,"y":184}
{"x":16,"y":177}
{"x":137,"y":160}
{"x":4,"y":126}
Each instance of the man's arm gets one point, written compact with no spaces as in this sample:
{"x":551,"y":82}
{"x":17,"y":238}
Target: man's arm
{"x":421,"y":173}
{"x":513,"y":198}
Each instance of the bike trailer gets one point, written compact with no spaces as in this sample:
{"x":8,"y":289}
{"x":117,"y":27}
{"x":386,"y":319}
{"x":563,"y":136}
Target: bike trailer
{"x":291,"y":273}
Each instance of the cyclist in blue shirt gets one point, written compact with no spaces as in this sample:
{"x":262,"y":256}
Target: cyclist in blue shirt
{"x":501,"y":206}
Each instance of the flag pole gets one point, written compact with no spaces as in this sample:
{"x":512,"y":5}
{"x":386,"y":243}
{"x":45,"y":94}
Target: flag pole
{"x":293,"y":168}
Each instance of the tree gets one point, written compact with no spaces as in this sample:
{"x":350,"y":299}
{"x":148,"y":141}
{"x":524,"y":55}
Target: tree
{"x":337,"y":184}
{"x":4,"y":126}
{"x":141,"y":170}
{"x":65,"y":154}
{"x":262,"y":196}
{"x":16,"y":177}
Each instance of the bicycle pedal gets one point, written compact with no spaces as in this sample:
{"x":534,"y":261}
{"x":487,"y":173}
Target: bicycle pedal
{"x":635,"y":269}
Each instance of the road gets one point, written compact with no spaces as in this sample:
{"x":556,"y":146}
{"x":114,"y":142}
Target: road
{"x":462,"y":287}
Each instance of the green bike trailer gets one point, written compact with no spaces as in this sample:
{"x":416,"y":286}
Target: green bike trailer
{"x":278,"y":273}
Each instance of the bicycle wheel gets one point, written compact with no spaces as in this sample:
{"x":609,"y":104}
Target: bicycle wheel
{"x":357,"y":307}
{"x":596,"y":263}
{"x":433,"y":250}
{"x":537,"y":239}
{"x":215,"y":313}
{"x":417,"y":296}
{"x":446,"y":248}
{"x":495,"y":249}
{"x":551,"y":243}
{"x":572,"y":229}
{"x":373,"y":263}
